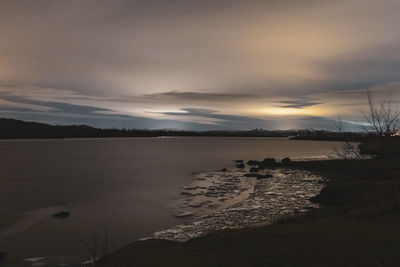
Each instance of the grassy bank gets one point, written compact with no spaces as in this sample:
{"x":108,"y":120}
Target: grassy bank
{"x":357,"y":225}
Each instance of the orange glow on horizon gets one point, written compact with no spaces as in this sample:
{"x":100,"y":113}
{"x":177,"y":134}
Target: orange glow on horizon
{"x":282,"y":111}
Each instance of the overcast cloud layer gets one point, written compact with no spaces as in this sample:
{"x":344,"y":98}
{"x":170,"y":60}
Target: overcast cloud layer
{"x":189,"y":64}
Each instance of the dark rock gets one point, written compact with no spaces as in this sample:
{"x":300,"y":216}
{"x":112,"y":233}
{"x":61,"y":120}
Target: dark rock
{"x":314,"y":199}
{"x":263,"y":176}
{"x":224,"y":170}
{"x":253,"y":162}
{"x":250,"y":175}
{"x":238,"y":161}
{"x":3,"y":256}
{"x":254,"y":169}
{"x":193,"y":187}
{"x":286,"y":161}
{"x":62,"y":215}
{"x":240,"y":166}
{"x":187,"y":193}
{"x":271,"y":161}
{"x":267,"y":163}
{"x":184,"y":214}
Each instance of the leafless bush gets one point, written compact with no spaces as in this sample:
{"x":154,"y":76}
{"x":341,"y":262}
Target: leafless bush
{"x":95,"y":249}
{"x":381,"y":122}
{"x":383,"y":118}
{"x":350,"y":149}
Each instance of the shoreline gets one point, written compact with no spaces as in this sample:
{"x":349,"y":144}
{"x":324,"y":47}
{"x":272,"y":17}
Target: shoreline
{"x":286,"y":194}
{"x":142,"y":137}
{"x":356,"y":215}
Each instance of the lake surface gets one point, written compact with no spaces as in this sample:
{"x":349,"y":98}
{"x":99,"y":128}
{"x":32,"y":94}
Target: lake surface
{"x":124,"y":185}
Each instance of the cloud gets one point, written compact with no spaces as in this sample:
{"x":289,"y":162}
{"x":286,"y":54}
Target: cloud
{"x":56,"y":107}
{"x":186,"y":119}
{"x":149,"y":59}
{"x":196,"y":96}
{"x":299,"y":103}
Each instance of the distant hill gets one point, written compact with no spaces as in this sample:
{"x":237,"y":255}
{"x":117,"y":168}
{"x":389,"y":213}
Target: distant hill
{"x":17,"y":129}
{"x":12,"y":123}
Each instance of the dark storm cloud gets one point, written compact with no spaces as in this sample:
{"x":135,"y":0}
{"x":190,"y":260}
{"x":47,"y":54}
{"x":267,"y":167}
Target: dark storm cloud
{"x":57,"y":107}
{"x":299,"y":103}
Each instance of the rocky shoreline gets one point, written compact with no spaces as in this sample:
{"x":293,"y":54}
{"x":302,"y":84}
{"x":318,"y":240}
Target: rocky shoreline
{"x":230,"y":199}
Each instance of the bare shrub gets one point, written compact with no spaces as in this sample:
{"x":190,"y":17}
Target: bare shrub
{"x":96,"y":249}
{"x":382,"y":121}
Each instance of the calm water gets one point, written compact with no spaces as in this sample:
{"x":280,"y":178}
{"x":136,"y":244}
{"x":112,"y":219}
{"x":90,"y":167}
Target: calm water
{"x":123,"y":184}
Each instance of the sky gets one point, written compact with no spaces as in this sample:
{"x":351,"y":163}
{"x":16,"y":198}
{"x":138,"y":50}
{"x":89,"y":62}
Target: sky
{"x":198,"y":65}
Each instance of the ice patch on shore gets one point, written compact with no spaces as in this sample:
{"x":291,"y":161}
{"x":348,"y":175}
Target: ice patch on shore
{"x":212,"y":191}
{"x":27,"y":220}
{"x":229,"y":200}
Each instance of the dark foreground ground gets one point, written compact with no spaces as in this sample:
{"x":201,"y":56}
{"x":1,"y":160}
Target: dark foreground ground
{"x":358,"y":224}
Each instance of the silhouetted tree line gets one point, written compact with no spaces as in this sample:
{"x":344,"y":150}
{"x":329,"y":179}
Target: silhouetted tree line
{"x":17,"y":129}
{"x":324,"y":135}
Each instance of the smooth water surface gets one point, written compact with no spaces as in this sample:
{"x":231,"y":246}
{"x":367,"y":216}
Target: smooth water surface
{"x":122,"y":184}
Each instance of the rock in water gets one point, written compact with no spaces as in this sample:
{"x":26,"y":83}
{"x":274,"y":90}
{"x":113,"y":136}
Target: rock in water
{"x":240,"y":166}
{"x":267,"y":163}
{"x":238,"y":161}
{"x":263,"y":176}
{"x":195,"y":204}
{"x":286,"y":161}
{"x":184,"y":214}
{"x":253,"y":162}
{"x":254,"y":169}
{"x":62,"y":215}
{"x":193,"y":187}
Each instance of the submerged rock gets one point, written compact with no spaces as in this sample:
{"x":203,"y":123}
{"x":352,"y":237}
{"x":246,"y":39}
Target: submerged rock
{"x":187,"y":193}
{"x":195,"y":204}
{"x":62,"y":215}
{"x":286,"y":161}
{"x":238,"y":161}
{"x":224,"y":170}
{"x":184,"y":214}
{"x":190,"y":187}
